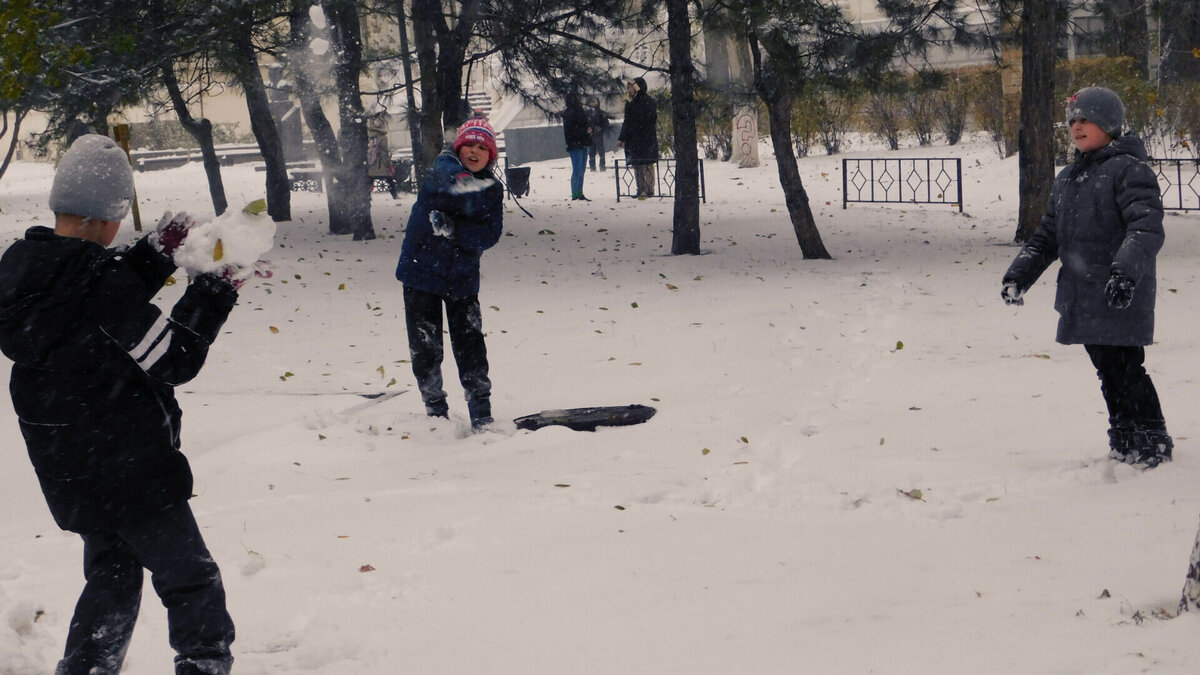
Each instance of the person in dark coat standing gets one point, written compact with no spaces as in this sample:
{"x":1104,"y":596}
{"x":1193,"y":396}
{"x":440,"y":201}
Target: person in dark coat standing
{"x":578,"y":137}
{"x":639,"y":136}
{"x":95,"y":364}
{"x":457,"y":216}
{"x":598,"y":127}
{"x":1104,"y":223}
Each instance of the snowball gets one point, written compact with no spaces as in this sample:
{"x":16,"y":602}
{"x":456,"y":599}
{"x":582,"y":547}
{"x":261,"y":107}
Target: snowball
{"x":470,"y":184}
{"x":244,"y":239}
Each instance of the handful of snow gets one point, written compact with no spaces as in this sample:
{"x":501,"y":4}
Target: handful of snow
{"x":234,"y":238}
{"x":467,"y":184}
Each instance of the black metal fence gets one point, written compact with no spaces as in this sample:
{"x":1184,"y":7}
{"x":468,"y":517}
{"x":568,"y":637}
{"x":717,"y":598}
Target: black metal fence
{"x":1179,"y":180}
{"x":625,"y":176}
{"x":924,"y":180}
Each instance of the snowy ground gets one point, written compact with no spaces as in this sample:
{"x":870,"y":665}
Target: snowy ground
{"x":755,"y":525}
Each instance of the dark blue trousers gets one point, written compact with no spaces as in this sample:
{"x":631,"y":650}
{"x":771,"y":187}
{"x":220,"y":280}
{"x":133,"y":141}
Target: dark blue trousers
{"x":1128,"y":391}
{"x":169,"y":544}
{"x":423,"y":317}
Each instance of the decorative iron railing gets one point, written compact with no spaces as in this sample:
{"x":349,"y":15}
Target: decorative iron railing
{"x":924,"y":180}
{"x":663,"y":178}
{"x":1179,"y":181}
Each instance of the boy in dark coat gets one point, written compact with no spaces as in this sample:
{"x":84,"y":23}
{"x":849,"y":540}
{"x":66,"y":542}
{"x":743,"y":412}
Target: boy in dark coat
{"x":95,"y":366}
{"x":578,"y":137}
{"x":457,"y":216}
{"x":639,"y":136}
{"x":1104,"y":222}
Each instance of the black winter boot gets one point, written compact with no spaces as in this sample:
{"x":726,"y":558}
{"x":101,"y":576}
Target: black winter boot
{"x":1120,"y":441}
{"x":1150,"y":447}
{"x":480,"y":410}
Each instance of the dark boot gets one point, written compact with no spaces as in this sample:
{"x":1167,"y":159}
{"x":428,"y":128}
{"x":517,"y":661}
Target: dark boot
{"x":480,"y":410}
{"x":437,"y":408}
{"x":1120,"y":441}
{"x":1150,"y":447}
{"x":219,"y":665}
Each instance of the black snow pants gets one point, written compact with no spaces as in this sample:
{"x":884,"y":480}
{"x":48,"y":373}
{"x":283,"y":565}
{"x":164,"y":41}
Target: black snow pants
{"x":1128,"y":391}
{"x":187,"y":580}
{"x":423,"y":317}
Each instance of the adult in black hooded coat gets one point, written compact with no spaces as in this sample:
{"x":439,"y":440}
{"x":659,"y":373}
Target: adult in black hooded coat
{"x":639,"y":135}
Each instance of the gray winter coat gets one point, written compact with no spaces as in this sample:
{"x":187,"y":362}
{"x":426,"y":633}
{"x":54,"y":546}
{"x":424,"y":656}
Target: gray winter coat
{"x":1105,"y":214}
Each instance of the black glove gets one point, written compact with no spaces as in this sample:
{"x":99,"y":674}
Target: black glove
{"x":1119,"y":291}
{"x":1012,"y":293}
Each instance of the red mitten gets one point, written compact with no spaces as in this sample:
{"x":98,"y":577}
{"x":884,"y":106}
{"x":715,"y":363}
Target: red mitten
{"x":170,"y":232}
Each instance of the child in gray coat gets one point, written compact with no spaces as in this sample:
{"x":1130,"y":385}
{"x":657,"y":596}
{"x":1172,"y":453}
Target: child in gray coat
{"x":1104,"y":223}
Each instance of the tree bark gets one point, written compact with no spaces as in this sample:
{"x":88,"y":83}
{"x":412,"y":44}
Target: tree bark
{"x":351,"y":179}
{"x":18,"y":116}
{"x":1180,"y":25}
{"x":685,"y":234}
{"x":1129,"y":33}
{"x":794,"y":194}
{"x":324,"y":137}
{"x":420,"y":163}
{"x":427,"y":15}
{"x":1035,"y":139}
{"x":201,"y":130}
{"x":1191,"y":586}
{"x":279,"y":194}
{"x":779,"y":99}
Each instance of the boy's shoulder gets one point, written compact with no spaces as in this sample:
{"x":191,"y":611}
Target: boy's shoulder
{"x":42,"y":249}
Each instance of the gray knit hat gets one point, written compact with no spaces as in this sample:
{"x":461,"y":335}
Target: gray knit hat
{"x":93,"y":180}
{"x":1099,"y":105}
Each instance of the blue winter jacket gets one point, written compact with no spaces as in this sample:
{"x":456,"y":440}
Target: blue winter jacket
{"x":444,"y":260}
{"x":1105,"y":214}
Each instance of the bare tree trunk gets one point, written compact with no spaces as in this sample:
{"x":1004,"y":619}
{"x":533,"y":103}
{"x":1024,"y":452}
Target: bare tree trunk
{"x":420,"y":163}
{"x":201,"y":130}
{"x":452,"y":53}
{"x":1180,"y":25}
{"x":1035,"y":140}
{"x":779,"y":99}
{"x":685,"y":235}
{"x":1129,"y":32}
{"x":324,"y":137}
{"x":794,"y":194}
{"x":1191,"y":586}
{"x":18,"y":116}
{"x":355,"y":197}
{"x":427,"y":15}
{"x":279,"y":195}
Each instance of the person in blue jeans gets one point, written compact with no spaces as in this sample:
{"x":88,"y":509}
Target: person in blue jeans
{"x":578,"y":135}
{"x":459,"y":214}
{"x":95,"y":364}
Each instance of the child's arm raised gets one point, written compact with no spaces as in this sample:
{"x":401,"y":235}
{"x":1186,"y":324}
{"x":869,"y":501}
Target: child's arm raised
{"x":168,"y":349}
{"x":483,"y":230}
